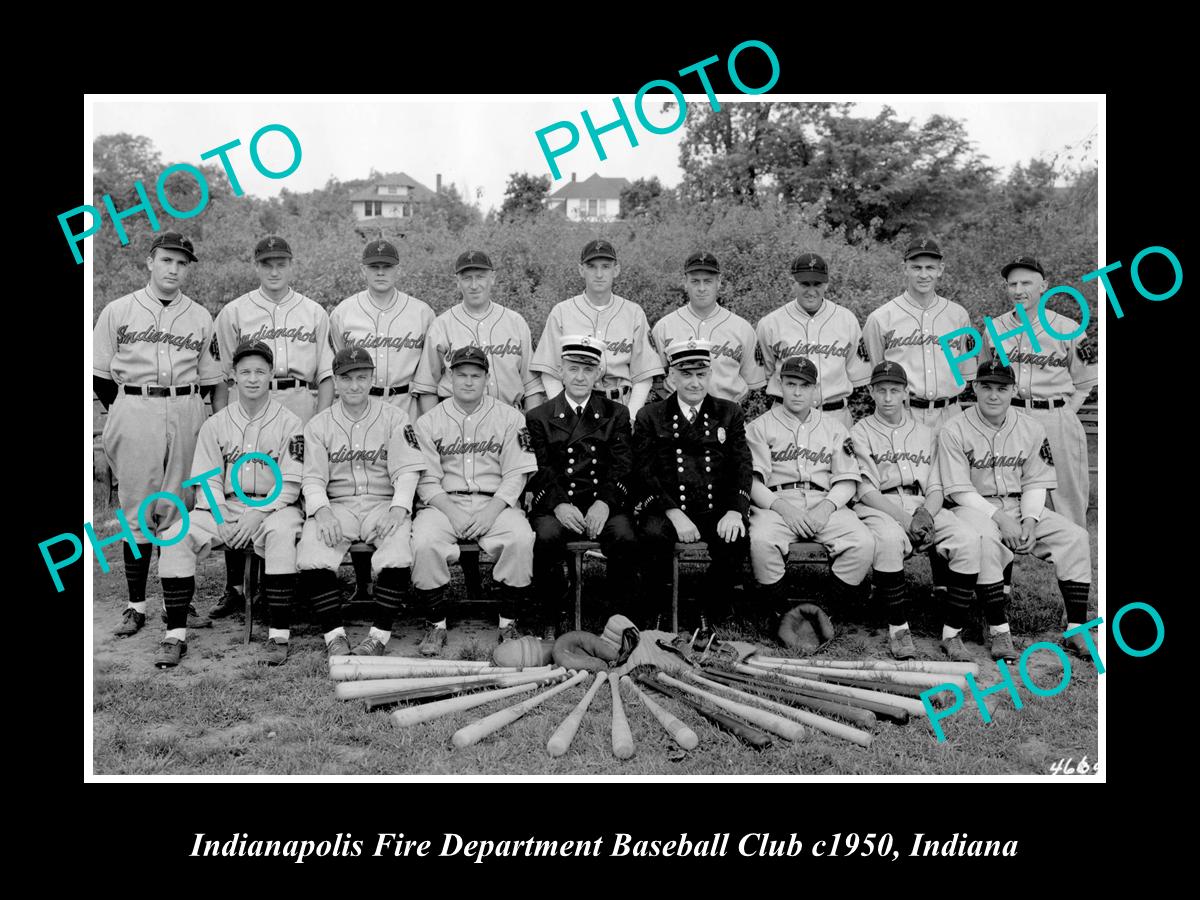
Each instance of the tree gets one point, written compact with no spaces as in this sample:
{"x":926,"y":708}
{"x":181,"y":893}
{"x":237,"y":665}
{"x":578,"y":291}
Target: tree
{"x":452,"y":208}
{"x":119,"y":160}
{"x":645,"y":196}
{"x":524,"y":196}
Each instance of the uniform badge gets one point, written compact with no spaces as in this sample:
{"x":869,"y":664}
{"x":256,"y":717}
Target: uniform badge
{"x":296,"y":448}
{"x":848,"y":447}
{"x":721,"y":435}
{"x":653,"y":344}
{"x":214,"y":348}
{"x":862,"y":351}
{"x":758,"y":357}
{"x":411,"y":437}
{"x":524,"y":440}
{"x":1086,"y":351}
{"x":1046,"y":454}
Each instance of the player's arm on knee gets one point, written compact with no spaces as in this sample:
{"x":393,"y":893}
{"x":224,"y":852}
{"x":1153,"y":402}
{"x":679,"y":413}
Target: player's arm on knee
{"x":873,"y":499}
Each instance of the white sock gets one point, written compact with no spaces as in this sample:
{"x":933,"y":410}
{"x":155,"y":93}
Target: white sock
{"x":138,"y":607}
{"x":279,"y":635}
{"x":382,"y":636}
{"x":893,"y":630}
{"x":998,"y":629}
{"x":1007,"y":590}
{"x":948,"y":632}
{"x":180,"y":634}
{"x":330,"y":635}
{"x":504,"y":623}
{"x":441,"y":624}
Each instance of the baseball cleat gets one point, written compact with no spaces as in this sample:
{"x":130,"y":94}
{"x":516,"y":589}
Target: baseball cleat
{"x":1002,"y":646}
{"x":274,"y":652}
{"x":232,"y":601}
{"x":902,"y":646}
{"x":131,"y":622}
{"x":339,"y":646}
{"x":1077,"y":646}
{"x":510,"y":632}
{"x":369,"y":646}
{"x":953,"y":648}
{"x":433,"y":642}
{"x":170,"y":651}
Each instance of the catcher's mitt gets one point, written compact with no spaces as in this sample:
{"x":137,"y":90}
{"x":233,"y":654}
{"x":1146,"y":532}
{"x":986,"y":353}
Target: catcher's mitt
{"x":806,"y":627}
{"x":920,"y":532}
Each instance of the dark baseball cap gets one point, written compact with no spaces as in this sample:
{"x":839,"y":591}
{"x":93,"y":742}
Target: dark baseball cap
{"x":597,"y":250}
{"x":810,"y":267}
{"x":473,"y":259}
{"x":272,"y":247}
{"x":993,"y":372}
{"x":257,"y":348}
{"x":348,"y":359}
{"x":381,"y":251}
{"x":924,"y":246}
{"x":701,"y":261}
{"x":889,"y":371}
{"x":799,"y":367}
{"x":473,"y":356}
{"x":1022,"y":262}
{"x":173,"y":240}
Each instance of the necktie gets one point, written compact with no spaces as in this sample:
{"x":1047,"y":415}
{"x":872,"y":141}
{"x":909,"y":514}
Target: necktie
{"x":579,"y":412}
{"x":691,"y":414}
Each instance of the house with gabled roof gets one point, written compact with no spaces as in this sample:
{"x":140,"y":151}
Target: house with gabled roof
{"x":391,"y":197}
{"x":593,"y":200}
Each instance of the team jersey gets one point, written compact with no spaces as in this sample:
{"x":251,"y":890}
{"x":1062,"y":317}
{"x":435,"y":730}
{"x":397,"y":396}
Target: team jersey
{"x":1060,"y":368}
{"x":296,"y":329}
{"x":502,"y":334}
{"x":889,"y":457}
{"x":138,"y":341}
{"x":472,"y":452}
{"x":831,"y":338}
{"x":395,"y":335}
{"x":228,"y":435}
{"x":786,"y":450}
{"x":344,"y":457}
{"x":1011,"y":459}
{"x":904,"y":333}
{"x":621,"y":326}
{"x":736,"y":369}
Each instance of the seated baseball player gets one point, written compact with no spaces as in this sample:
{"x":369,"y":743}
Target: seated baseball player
{"x":477,"y":459}
{"x":805,"y":473}
{"x":900,"y":500}
{"x":996,"y":465}
{"x":252,"y":424}
{"x":692,"y":478}
{"x":361,"y":466}
{"x":581,"y":490}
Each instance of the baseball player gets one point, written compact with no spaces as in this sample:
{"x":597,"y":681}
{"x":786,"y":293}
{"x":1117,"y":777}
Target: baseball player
{"x":297,"y":330}
{"x":1053,"y":380}
{"x":817,"y":328}
{"x":900,"y":500}
{"x":630,"y":362}
{"x":477,"y":458}
{"x":805,"y":473}
{"x":996,"y":465}
{"x":255,"y":423}
{"x":478,"y":321}
{"x":361,"y":466}
{"x":581,"y":489}
{"x":736,"y":368}
{"x":906,"y":329}
{"x":692,"y":478}
{"x":152,"y":360}
{"x":393,"y":327}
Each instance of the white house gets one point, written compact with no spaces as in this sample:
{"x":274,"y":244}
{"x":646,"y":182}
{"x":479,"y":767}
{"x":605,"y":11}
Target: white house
{"x":391,"y":197}
{"x":594,"y":200}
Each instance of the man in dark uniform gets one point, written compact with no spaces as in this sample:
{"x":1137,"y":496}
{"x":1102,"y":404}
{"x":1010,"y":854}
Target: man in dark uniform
{"x":581,"y":489}
{"x":692,"y":472}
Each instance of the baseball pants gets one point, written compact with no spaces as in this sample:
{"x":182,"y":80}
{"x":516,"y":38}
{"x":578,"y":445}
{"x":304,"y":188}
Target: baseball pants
{"x":934,"y":419}
{"x":841,"y":415}
{"x":954,"y":540}
{"x":617,"y":542}
{"x":276,"y":540}
{"x":359,"y":518}
{"x":1068,"y":445}
{"x":150,"y":442}
{"x":658,"y":538}
{"x":847,"y":540}
{"x":1057,"y":539}
{"x":435,"y":545}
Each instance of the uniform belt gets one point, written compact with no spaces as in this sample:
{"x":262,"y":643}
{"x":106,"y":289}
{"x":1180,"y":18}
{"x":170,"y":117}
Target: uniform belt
{"x":154,"y":390}
{"x":798,"y":485}
{"x":612,"y":393}
{"x":836,"y":404}
{"x":1039,"y":404}
{"x":484,"y":493}
{"x":1000,"y":496}
{"x":919,"y":403}
{"x":282,"y":384}
{"x":388,"y":392}
{"x":904,"y":489}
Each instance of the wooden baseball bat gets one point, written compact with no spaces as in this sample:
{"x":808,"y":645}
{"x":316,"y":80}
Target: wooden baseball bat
{"x":411,"y":696}
{"x":905,"y":703}
{"x":870,"y":684}
{"x":348,"y":660}
{"x":353,"y":672}
{"x":680,"y":733}
{"x":917,"y":679}
{"x":743,"y":731}
{"x":911,"y":665}
{"x":359,"y":690}
{"x":565,"y":733}
{"x":837,"y":729}
{"x":863,"y":718}
{"x":880,"y":709}
{"x":622,"y":737}
{"x":772,"y":722}
{"x":426,"y":712}
{"x":476,"y":731}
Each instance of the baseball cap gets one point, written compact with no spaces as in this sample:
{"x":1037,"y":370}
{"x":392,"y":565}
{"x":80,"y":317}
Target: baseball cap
{"x":582,"y":348}
{"x":256,"y":348}
{"x":889,"y":371}
{"x":348,"y":359}
{"x":701,"y":261}
{"x":992,"y":372}
{"x":1022,"y":262}
{"x":173,"y":240}
{"x":597,"y":250}
{"x":473,"y":356}
{"x":690,"y":354}
{"x":272,"y":247}
{"x":472,"y":259}
{"x":925,"y":246}
{"x":810,"y":267}
{"x":799,"y":367}
{"x":380,"y":251}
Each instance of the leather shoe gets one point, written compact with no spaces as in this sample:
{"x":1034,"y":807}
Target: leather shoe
{"x":369,"y":646}
{"x":902,"y":646}
{"x":274,"y":652}
{"x":231,"y":601}
{"x":170,"y":651}
{"x":339,"y":646}
{"x":1002,"y":646}
{"x":954,"y":649}
{"x":433,"y":642}
{"x":131,"y":622}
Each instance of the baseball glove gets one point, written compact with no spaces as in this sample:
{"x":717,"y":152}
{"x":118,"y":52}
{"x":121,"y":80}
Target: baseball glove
{"x":806,"y":627}
{"x":920,"y":532}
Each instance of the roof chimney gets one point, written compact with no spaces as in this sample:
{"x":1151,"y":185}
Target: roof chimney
{"x":439,"y":183}
{"x":572,"y":177}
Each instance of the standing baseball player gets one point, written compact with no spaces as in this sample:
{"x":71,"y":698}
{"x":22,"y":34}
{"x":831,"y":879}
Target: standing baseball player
{"x":996,"y":465}
{"x":581,"y":489}
{"x":361,"y":466}
{"x":297,"y":330}
{"x":630,"y":362}
{"x":478,"y":457}
{"x":805,"y":473}
{"x":152,"y":359}
{"x":392,"y":326}
{"x":254,"y":423}
{"x":825,"y":332}
{"x":905,"y":330}
{"x":1053,"y":380}
{"x":478,"y":321}
{"x":736,"y":368}
{"x":900,"y":500}
{"x":692,"y":477}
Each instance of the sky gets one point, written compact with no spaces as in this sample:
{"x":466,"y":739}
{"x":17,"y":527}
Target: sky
{"x":477,"y":142}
